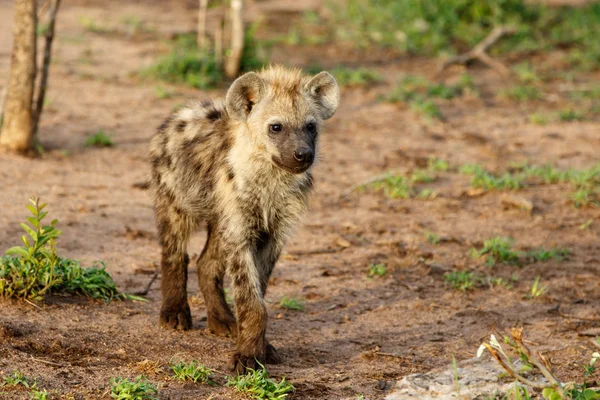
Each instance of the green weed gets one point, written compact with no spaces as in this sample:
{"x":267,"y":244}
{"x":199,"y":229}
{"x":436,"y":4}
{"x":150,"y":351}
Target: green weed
{"x":17,"y":379}
{"x":394,"y":186}
{"x":355,"y":76}
{"x":523,"y":92}
{"x":191,"y":371}
{"x":92,"y":26}
{"x":162,"y":93}
{"x":188,"y":65}
{"x":258,"y":385}
{"x":462,"y":280}
{"x":432,"y":237}
{"x":538,"y":118}
{"x":489,"y":181}
{"x":33,"y":270}
{"x":438,"y":165}
{"x":292,"y":304}
{"x":39,"y":395}
{"x":497,"y":249}
{"x":418,"y":93}
{"x":377,"y":270}
{"x":526,"y":73}
{"x":138,"y":389}
{"x":99,"y":139}
{"x":569,"y":115}
{"x":438,"y":27}
{"x":427,"y":108}
{"x":542,"y":255}
{"x":537,"y":290}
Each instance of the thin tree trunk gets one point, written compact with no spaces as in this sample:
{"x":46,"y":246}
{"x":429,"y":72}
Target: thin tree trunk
{"x":54,"y":5}
{"x":219,"y":42}
{"x":17,"y":129}
{"x":201,"y":39}
{"x":232,"y":64}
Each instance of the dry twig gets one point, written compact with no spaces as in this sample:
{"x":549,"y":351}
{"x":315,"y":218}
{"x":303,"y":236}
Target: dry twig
{"x":479,"y":52}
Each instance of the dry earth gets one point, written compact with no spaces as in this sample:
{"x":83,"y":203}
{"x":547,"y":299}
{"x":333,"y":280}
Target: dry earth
{"x":357,"y":335}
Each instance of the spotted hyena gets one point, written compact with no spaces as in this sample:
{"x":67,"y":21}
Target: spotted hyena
{"x":241,"y":165}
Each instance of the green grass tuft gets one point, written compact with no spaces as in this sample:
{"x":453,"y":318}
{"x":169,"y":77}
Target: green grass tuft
{"x":99,"y":139}
{"x":191,"y":371}
{"x":497,"y":250}
{"x":461,"y":280}
{"x":258,"y":385}
{"x":377,"y":270}
{"x":188,"y":65}
{"x":34,"y":270}
{"x":138,"y":389}
{"x":292,"y":304}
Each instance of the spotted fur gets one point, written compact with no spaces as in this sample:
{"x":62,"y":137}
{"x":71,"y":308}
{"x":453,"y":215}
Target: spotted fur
{"x":220,"y":163}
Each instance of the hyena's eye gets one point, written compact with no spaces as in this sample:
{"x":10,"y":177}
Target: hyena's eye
{"x":311,"y":127}
{"x":275,"y":128}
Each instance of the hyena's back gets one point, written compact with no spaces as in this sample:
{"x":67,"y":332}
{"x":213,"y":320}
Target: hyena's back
{"x":188,"y":153}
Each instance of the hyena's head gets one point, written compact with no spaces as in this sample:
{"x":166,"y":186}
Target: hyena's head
{"x":284,"y":111}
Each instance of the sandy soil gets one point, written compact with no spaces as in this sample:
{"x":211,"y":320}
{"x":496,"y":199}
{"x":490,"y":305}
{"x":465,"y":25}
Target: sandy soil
{"x":357,"y":335}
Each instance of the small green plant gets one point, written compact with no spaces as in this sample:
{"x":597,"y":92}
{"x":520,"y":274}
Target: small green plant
{"x":418,"y":93}
{"x":569,"y":115}
{"x":162,"y":93}
{"x":99,"y":139}
{"x":437,"y":165}
{"x":536,"y":289}
{"x":292,"y":304}
{"x":377,"y":270}
{"x":526,"y":73}
{"x":521,"y":93}
{"x":432,"y":237}
{"x":461,"y":280}
{"x":355,"y":77}
{"x":91,"y":26}
{"x":497,"y":249}
{"x":427,"y":108}
{"x":541,"y":255}
{"x":138,"y":389}
{"x":480,"y":178}
{"x":538,"y":118}
{"x":187,"y":64}
{"x":191,"y":371}
{"x":40,"y":395}
{"x":17,"y":378}
{"x":33,"y":270}
{"x":257,"y":384}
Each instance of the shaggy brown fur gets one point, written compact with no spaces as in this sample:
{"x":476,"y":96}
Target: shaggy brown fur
{"x":242,"y":166}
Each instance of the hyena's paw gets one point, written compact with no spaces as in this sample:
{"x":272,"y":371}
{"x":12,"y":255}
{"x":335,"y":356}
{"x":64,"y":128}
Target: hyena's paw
{"x":240,"y":364}
{"x":222,"y":326}
{"x":176,"y":317}
{"x":273,"y":356}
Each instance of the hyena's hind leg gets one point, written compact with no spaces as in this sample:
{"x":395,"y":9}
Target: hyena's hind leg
{"x":174,"y":229}
{"x":211,"y":271}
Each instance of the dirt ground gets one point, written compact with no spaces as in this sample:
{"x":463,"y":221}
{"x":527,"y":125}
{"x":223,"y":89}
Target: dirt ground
{"x":358,"y":335}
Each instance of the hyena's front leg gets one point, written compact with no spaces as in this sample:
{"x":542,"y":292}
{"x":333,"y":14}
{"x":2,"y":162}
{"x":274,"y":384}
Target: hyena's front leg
{"x":174,"y":230}
{"x":211,"y":271}
{"x":251,"y":346}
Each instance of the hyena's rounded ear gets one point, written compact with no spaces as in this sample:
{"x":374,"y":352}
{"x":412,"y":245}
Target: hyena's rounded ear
{"x":324,"y":90}
{"x":243,"y":94}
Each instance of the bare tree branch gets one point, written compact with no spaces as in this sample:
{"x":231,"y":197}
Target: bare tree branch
{"x":39,"y":106}
{"x":201,"y":38}
{"x":232,"y":65}
{"x":479,"y":52}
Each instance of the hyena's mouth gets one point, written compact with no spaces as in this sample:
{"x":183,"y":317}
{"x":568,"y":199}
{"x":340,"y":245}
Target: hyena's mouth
{"x":294,"y":167}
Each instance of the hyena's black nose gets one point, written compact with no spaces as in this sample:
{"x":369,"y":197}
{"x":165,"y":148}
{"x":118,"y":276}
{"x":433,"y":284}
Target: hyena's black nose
{"x":304,"y":155}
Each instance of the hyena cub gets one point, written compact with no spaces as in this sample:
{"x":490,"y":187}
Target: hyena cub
{"x":242,"y":166}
